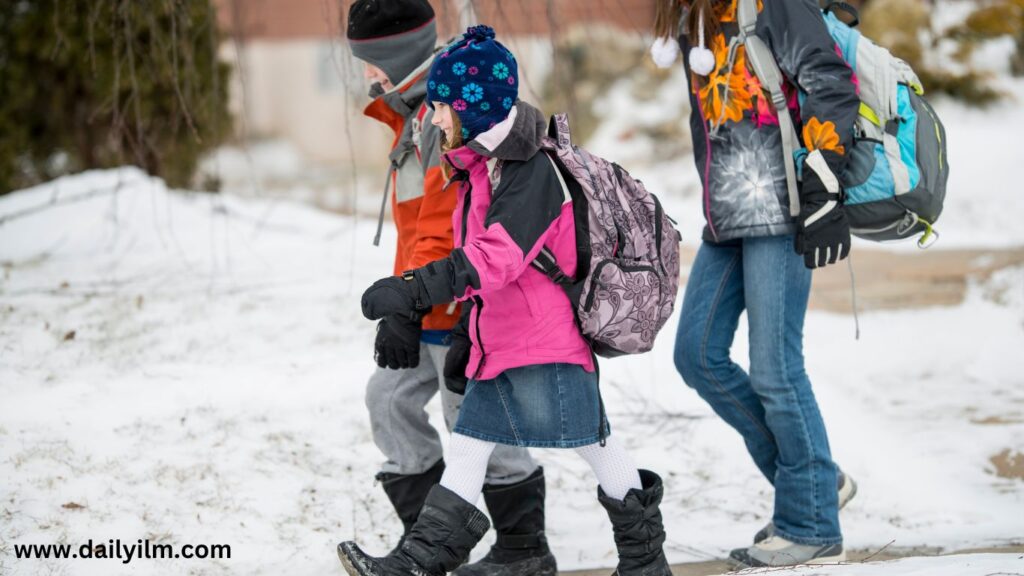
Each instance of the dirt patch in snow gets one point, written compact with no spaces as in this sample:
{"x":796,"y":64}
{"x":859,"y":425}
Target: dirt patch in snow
{"x":1008,"y":464}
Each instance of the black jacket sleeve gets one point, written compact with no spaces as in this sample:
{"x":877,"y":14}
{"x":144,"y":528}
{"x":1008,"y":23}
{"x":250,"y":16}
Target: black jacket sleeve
{"x":809,"y":57}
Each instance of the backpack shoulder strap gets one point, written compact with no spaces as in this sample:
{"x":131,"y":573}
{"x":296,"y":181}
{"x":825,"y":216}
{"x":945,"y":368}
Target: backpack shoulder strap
{"x":746,"y":16}
{"x":545,"y":260}
{"x":767,"y":71}
{"x":558,"y":131}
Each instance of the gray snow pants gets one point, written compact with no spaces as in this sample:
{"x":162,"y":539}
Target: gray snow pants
{"x":397,"y":399}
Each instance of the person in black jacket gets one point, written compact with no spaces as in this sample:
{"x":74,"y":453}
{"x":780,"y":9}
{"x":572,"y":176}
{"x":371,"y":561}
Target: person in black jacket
{"x":757,"y":256}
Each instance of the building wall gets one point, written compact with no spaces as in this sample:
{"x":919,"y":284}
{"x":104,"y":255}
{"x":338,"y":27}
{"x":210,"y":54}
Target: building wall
{"x":297,"y":90}
{"x":288,"y":19}
{"x":295,"y":79}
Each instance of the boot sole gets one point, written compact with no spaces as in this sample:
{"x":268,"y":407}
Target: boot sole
{"x":737,"y":564}
{"x":542,"y":566}
{"x":347,"y":564}
{"x":841,"y":557}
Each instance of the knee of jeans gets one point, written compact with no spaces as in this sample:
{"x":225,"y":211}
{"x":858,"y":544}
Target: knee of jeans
{"x":770,"y":376}
{"x":690,"y":358}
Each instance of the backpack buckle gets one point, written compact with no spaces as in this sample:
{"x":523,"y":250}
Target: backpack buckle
{"x":559,"y":277}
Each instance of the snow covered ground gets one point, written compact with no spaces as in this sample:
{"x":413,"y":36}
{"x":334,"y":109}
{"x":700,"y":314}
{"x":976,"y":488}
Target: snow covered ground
{"x":969,"y":564}
{"x":190,"y":368}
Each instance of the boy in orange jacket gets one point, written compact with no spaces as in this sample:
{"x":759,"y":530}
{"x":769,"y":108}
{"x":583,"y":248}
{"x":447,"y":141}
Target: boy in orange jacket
{"x":396,"y":40}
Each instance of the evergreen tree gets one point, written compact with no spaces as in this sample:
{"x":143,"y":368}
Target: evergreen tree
{"x":92,"y":84}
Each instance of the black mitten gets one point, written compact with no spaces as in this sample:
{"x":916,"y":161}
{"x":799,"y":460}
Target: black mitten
{"x":823,"y":232}
{"x":411,"y":294}
{"x":398,"y":343}
{"x":391,"y":296}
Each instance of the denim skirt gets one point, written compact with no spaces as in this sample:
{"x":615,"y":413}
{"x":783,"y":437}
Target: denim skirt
{"x":539,"y":406}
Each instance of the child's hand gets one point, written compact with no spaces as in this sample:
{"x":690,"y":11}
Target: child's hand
{"x":457,"y":359}
{"x":823,"y":232}
{"x":398,"y":343}
{"x":390,"y":296}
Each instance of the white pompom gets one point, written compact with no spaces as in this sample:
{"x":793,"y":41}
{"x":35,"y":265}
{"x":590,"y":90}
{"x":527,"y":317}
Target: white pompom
{"x":702,"y":60}
{"x":664,"y":52}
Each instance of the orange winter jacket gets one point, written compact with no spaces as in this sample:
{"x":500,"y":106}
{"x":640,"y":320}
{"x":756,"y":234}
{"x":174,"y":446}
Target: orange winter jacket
{"x":421,"y":204}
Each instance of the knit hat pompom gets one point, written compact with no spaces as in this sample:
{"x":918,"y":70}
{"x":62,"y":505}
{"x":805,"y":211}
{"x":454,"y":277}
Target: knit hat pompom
{"x":479,"y":33}
{"x":478,"y":78}
{"x":702,"y":60}
{"x":664,"y":52}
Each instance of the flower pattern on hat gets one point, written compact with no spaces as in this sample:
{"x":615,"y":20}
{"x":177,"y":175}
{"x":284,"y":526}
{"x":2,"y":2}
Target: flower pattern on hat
{"x":476,"y":76}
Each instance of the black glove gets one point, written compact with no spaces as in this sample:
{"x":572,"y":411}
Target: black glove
{"x":411,"y":294}
{"x":392,"y":296}
{"x":398,"y":343}
{"x":823,"y":232}
{"x":458,"y":355}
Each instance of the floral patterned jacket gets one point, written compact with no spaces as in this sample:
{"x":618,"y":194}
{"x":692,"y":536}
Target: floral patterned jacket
{"x":737,"y":142}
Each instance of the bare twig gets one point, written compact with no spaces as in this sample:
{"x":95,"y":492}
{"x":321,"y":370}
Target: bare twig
{"x":344,"y":71}
{"x":94,"y":14}
{"x":524,"y":77}
{"x":61,"y":40}
{"x":55,"y":201}
{"x":879,"y":551}
{"x":175,"y":75}
{"x":129,"y":36}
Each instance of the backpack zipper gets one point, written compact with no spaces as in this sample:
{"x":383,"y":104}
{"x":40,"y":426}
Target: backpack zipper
{"x":657,"y":232}
{"x":597,"y":276}
{"x":901,"y":222}
{"x":938,"y":133}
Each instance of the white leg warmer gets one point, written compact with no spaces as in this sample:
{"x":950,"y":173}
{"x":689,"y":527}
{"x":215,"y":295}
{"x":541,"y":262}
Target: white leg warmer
{"x":466,"y":466}
{"x":615,"y":470}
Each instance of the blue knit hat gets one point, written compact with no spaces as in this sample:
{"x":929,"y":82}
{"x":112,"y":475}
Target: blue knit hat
{"x":478,"y":78}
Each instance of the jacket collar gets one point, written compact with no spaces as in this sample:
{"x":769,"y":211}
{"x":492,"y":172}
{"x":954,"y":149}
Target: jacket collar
{"x":517,"y":137}
{"x":402,"y":101}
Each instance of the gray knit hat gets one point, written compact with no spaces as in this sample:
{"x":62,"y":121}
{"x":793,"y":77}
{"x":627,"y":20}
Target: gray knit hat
{"x":393,"y":35}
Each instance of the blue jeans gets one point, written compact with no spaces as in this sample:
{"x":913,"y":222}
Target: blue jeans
{"x":773,"y":407}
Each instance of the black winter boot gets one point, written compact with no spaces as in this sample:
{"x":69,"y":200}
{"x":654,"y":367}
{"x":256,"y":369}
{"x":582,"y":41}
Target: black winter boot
{"x":407,"y":493}
{"x":446,"y":531}
{"x":639,"y":532}
{"x":517,"y":511}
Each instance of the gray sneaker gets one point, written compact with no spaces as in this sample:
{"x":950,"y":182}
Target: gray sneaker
{"x":777,"y":551}
{"x":847,"y":490}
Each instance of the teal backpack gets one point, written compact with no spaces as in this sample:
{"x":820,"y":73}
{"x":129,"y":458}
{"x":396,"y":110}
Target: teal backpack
{"x":897,"y":169}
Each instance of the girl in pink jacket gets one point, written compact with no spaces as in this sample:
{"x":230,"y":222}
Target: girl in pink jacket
{"x":531,"y":375}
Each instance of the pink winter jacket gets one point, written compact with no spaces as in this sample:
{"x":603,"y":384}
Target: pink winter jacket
{"x":519,"y":316}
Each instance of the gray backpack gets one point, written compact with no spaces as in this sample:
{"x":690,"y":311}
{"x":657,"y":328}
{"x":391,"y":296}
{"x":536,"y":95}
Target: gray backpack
{"x":627,"y":273}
